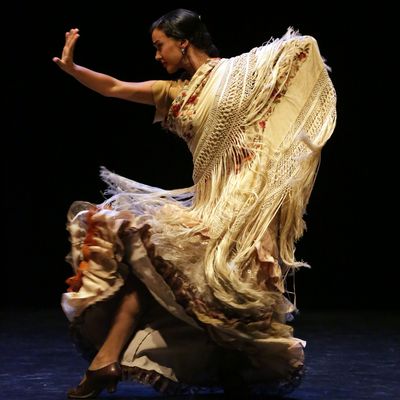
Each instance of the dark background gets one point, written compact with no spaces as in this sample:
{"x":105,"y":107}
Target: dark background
{"x":60,"y":133}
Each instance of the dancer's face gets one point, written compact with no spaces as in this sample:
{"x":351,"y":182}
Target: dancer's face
{"x":168,"y":51}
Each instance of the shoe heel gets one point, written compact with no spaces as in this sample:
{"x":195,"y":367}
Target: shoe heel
{"x":112,"y":387}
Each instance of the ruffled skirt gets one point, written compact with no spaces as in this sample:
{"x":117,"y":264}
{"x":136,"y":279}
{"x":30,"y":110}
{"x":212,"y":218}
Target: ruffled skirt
{"x":186,"y":339}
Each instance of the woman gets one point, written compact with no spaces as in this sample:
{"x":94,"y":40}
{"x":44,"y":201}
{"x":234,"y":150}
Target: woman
{"x":188,"y":287}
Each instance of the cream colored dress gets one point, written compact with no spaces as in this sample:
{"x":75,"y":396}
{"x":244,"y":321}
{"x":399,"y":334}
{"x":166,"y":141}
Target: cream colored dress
{"x":199,"y":327}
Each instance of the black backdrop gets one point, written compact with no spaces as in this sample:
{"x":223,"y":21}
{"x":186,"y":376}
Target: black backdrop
{"x":60,"y":133}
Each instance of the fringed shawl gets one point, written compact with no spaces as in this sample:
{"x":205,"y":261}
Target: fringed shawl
{"x":255,"y":125}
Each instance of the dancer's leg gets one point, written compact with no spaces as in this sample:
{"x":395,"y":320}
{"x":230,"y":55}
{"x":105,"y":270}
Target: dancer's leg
{"x":123,"y":325}
{"x":104,"y":370}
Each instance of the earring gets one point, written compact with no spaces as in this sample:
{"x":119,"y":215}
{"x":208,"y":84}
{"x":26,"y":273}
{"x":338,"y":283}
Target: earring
{"x":183,"y":51}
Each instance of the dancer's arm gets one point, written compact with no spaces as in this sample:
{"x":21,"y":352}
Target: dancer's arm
{"x":138,"y":92}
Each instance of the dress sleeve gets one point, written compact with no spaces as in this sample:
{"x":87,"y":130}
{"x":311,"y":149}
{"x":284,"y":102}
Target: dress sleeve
{"x":164,"y":93}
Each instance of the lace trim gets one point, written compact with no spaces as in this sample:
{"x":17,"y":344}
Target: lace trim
{"x":168,"y":387}
{"x":153,"y":378}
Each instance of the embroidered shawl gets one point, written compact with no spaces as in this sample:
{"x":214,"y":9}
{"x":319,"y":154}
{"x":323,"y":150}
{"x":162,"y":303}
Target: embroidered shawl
{"x":255,"y":125}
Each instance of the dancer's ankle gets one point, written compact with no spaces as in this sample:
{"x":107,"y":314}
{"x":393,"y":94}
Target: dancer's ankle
{"x":100,"y":362}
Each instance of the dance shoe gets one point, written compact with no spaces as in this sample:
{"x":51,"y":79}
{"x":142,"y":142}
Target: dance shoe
{"x":97,"y":380}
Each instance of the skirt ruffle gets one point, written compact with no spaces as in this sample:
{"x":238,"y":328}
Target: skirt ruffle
{"x":182,"y":335}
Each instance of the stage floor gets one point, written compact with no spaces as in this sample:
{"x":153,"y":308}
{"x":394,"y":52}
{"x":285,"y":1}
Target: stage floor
{"x":350,"y":355}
